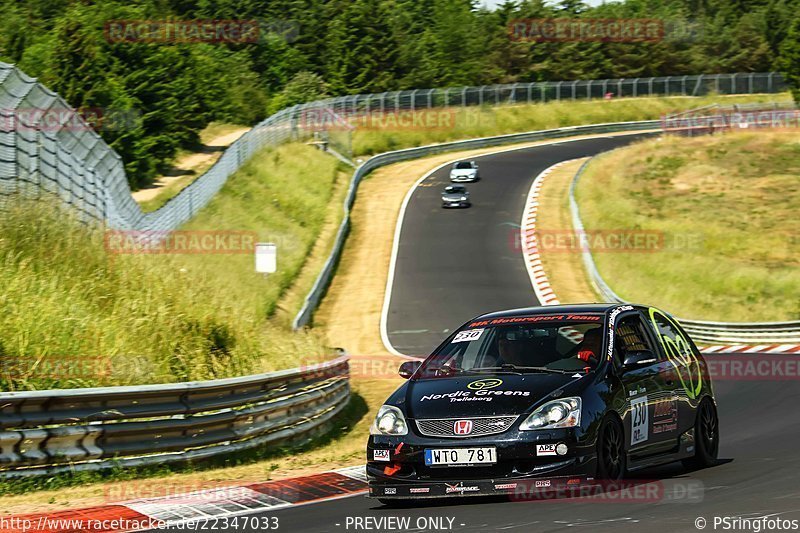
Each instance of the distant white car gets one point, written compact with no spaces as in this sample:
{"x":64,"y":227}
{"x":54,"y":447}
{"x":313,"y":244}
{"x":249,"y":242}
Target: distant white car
{"x":464,"y":171}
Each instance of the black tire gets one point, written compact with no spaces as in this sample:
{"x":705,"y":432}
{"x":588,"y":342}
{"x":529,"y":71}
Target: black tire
{"x":611,"y":456}
{"x":706,"y":437}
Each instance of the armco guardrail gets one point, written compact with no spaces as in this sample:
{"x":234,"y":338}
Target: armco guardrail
{"x":703,"y":331}
{"x":68,"y":159}
{"x":44,"y":432}
{"x":303,"y":318}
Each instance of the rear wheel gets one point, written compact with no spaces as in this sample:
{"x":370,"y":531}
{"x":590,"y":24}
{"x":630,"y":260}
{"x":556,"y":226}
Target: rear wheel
{"x":706,"y":437}
{"x":611,"y":459}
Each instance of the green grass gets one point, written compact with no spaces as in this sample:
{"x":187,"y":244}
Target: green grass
{"x":162,"y":318}
{"x":727,"y":206}
{"x":461,"y":123}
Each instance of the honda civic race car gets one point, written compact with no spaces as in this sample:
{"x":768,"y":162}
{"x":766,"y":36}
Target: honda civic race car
{"x":544,"y":397}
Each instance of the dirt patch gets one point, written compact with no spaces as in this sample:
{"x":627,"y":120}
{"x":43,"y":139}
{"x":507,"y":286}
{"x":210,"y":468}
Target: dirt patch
{"x":188,"y":167}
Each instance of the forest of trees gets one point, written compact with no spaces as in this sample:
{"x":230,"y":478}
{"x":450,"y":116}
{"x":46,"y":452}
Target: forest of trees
{"x":313,"y":48}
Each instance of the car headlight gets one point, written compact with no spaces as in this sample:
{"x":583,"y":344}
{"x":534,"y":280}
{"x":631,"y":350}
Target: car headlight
{"x":563,"y":413}
{"x":389,"y":421}
{"x":463,"y":198}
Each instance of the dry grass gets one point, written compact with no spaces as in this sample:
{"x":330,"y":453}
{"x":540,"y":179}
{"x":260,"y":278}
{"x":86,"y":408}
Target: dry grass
{"x":726,"y":206}
{"x":564,"y":268}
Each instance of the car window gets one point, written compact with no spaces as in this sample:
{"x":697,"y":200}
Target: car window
{"x":556,"y":344}
{"x":463,"y":165}
{"x":630,"y":335}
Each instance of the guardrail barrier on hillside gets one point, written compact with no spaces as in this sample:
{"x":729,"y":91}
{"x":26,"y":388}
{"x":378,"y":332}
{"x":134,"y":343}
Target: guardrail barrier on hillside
{"x":76,"y":165}
{"x":45,"y":432}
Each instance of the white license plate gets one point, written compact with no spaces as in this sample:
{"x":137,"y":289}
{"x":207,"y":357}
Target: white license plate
{"x":460,"y":456}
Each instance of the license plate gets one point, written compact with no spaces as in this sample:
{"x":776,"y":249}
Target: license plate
{"x":460,"y":456}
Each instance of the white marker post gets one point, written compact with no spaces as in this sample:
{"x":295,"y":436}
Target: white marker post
{"x":266,"y":258}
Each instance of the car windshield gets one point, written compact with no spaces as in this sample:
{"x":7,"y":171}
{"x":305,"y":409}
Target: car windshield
{"x":463,"y":165}
{"x":533,"y":344}
{"x":455,"y":189}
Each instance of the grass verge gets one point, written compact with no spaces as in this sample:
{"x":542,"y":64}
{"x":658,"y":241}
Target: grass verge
{"x":724,"y":208}
{"x":450,"y":124}
{"x":563,"y":266}
{"x":166,"y":317}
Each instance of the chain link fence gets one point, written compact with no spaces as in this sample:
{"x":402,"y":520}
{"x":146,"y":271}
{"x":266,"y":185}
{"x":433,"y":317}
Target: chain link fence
{"x":48,"y":149}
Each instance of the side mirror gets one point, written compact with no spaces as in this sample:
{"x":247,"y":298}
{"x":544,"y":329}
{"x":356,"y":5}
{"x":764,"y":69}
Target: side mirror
{"x":408,"y":368}
{"x":638,"y":359}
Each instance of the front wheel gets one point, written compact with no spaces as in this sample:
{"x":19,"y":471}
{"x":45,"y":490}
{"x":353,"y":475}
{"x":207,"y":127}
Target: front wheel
{"x":706,"y":437}
{"x":611,"y":458}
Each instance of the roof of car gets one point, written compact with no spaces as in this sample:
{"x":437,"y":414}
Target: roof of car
{"x":553,"y":309}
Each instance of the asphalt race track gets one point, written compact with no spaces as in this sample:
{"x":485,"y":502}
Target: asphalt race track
{"x":454,"y":264}
{"x":758,"y":476}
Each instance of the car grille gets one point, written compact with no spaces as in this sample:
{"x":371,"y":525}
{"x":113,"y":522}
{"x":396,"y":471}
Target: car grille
{"x":443,"y":427}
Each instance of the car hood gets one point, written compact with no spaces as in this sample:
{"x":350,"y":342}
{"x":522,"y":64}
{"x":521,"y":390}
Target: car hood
{"x":482,"y":395}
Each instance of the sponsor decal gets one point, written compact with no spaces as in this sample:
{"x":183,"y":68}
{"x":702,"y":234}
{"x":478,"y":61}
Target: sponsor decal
{"x":462,"y":427}
{"x":380,"y":455}
{"x":545,"y":449}
{"x":468,"y":335}
{"x":533,"y":319}
{"x":679,"y":352}
{"x":469,"y":396}
{"x":419,"y":490}
{"x":460,"y":488}
{"x":505,"y":486}
{"x":636,"y":392}
{"x":483,"y":384}
{"x":665,"y":417}
{"x":612,"y":318}
{"x":639,"y":415}
{"x":542,"y":483}
{"x":390,"y":490}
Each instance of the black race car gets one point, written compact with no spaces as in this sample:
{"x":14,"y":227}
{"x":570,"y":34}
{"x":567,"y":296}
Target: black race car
{"x":544,"y":397}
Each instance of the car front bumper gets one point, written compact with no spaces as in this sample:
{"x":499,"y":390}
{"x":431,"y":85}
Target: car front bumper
{"x":517,"y":472}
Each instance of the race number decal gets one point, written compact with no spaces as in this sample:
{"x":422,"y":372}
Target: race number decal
{"x":468,"y":335}
{"x":639,"y":422}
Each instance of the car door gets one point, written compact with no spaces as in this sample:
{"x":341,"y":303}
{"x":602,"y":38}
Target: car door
{"x":685,"y":371}
{"x":648,"y":389}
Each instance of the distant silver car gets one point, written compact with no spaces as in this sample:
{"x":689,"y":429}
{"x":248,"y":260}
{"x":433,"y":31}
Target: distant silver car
{"x":455,"y":196}
{"x":464,"y":171}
